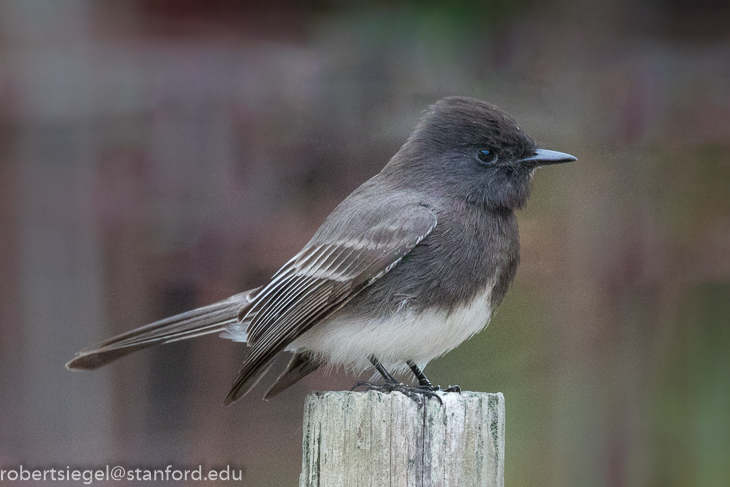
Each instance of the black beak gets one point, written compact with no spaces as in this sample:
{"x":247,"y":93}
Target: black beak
{"x":543,"y":157}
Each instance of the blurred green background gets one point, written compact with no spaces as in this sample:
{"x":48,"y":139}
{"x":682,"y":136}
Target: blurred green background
{"x":157,"y":155}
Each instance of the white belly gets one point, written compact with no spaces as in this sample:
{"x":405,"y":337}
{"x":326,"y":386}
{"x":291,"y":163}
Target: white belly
{"x":347,"y":340}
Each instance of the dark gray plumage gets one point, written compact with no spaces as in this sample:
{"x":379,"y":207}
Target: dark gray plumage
{"x":407,"y":267}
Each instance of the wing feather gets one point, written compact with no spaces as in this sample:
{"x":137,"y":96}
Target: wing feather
{"x":322,"y":278}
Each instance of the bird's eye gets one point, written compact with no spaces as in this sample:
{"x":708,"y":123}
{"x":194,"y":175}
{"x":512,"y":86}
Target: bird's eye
{"x":487,"y":156}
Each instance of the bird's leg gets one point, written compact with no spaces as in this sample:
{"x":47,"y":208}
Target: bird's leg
{"x":390,"y":381}
{"x":422,"y":379}
{"x":382,"y":370}
{"x":391,"y":384}
{"x":425,"y":383}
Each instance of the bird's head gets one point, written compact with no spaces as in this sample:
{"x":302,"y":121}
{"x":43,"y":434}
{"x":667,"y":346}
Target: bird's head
{"x":469,"y":149}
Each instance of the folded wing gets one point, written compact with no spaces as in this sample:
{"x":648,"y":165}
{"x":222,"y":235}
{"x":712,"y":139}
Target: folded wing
{"x":338,"y":263}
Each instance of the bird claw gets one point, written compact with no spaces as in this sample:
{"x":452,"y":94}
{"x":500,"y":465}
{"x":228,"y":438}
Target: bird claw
{"x":456,"y":389}
{"x":416,"y":393}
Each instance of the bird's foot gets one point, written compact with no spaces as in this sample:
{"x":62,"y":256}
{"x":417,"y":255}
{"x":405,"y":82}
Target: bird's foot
{"x":456,"y":389}
{"x":417,"y":393}
{"x":424,"y":382}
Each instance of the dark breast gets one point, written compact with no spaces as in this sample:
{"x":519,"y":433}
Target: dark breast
{"x":470,"y":248}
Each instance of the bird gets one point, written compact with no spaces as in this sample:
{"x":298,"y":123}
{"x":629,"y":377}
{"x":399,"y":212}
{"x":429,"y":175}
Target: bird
{"x":407,"y":267}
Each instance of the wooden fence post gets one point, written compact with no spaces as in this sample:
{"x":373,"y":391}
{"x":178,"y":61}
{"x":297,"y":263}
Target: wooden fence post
{"x":374,"y":439}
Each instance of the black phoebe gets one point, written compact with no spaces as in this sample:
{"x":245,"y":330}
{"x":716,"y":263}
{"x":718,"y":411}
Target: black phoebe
{"x":406,"y":268}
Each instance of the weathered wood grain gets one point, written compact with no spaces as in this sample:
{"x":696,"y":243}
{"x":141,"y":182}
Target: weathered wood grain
{"x":374,"y":439}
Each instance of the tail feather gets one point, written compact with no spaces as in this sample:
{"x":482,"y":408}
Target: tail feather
{"x":209,"y":319}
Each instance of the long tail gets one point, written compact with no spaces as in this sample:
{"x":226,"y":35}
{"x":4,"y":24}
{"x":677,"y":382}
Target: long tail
{"x":209,"y":319}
